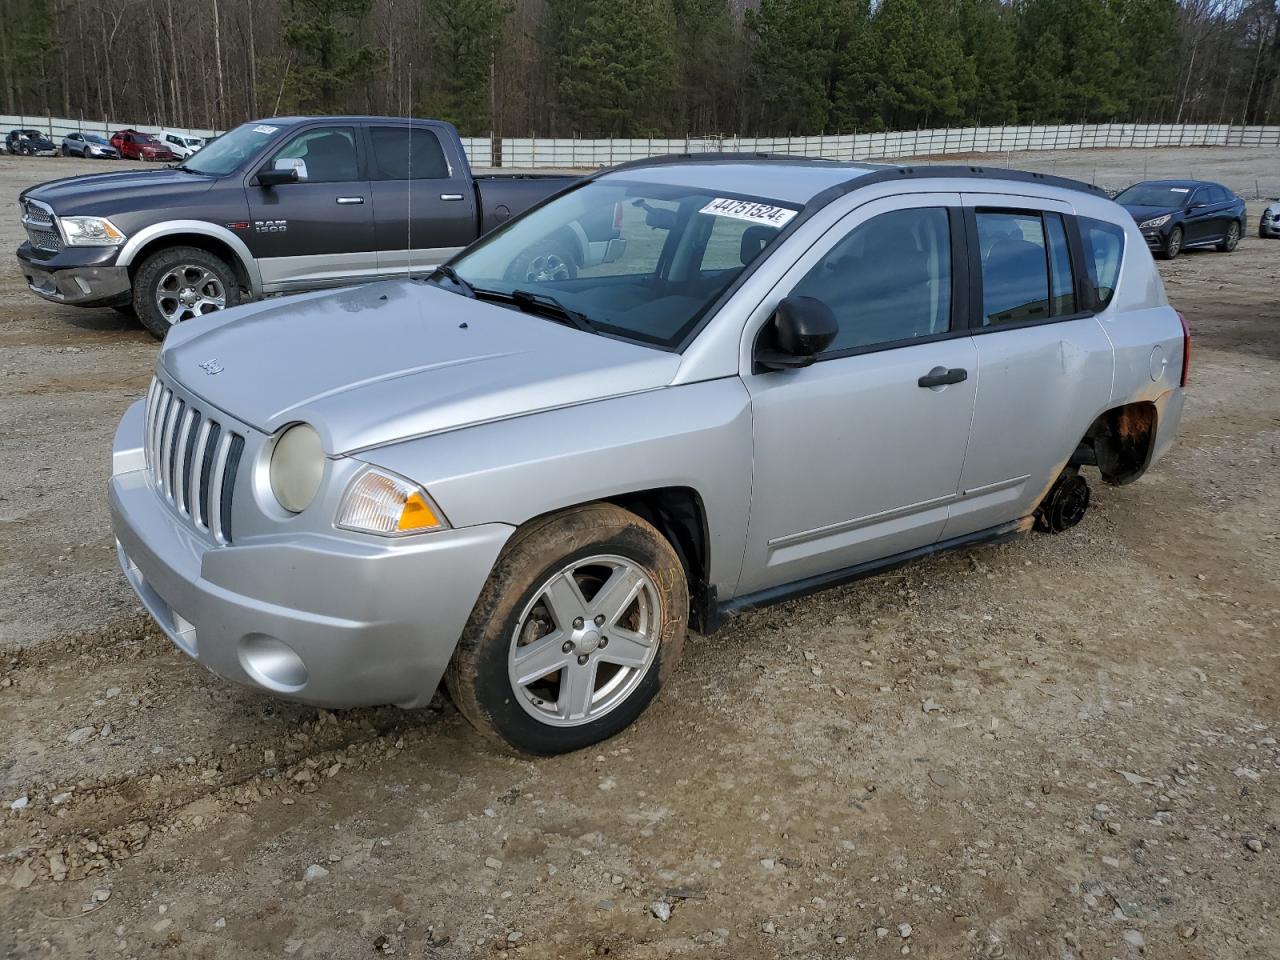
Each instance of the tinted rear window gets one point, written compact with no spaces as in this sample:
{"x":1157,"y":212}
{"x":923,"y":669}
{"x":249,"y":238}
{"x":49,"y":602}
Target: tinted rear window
{"x":1103,"y":251}
{"x":395,"y":157}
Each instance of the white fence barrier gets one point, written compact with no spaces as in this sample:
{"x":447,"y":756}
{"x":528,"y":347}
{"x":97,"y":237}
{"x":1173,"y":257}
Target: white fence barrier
{"x":479,"y":149}
{"x":536,"y":152}
{"x":568,"y":153}
{"x":59,"y":127}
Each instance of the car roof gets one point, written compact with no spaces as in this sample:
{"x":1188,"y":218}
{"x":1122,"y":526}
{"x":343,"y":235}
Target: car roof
{"x":800,"y":180}
{"x":1176,"y":183}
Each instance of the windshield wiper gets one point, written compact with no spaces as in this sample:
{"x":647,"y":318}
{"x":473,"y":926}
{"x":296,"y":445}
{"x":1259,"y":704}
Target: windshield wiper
{"x":529,"y":301}
{"x":447,"y":271}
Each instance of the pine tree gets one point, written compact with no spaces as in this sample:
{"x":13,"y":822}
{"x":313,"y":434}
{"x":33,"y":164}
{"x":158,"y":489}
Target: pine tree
{"x":462,"y":41}
{"x":326,"y":59}
{"x":615,"y":69}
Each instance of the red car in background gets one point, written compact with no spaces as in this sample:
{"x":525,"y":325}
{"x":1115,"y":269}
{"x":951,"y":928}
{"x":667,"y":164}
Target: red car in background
{"x":134,"y":145}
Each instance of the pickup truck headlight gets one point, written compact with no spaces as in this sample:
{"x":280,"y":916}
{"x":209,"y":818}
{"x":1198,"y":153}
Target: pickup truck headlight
{"x":297,"y":467}
{"x":387,"y":505}
{"x":90,"y":232}
{"x":1157,"y":222}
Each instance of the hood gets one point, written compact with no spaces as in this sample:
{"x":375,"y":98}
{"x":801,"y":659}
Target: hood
{"x":1141,"y":214}
{"x":389,"y":361}
{"x":106,"y":192}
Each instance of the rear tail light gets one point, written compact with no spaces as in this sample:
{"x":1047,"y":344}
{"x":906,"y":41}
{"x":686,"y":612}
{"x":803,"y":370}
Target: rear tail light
{"x":1186,"y":349}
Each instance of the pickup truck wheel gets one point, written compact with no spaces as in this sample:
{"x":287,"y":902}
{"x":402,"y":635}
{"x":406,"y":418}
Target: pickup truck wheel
{"x":580,"y":624}
{"x":543,"y":264}
{"x":180,"y":283}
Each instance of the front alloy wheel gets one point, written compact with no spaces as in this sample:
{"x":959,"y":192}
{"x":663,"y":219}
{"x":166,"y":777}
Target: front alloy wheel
{"x":179,"y":284}
{"x":584,"y":641}
{"x":580,"y":623}
{"x":1173,"y":246}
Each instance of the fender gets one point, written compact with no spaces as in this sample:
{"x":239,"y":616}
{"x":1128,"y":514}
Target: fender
{"x":204,"y":228}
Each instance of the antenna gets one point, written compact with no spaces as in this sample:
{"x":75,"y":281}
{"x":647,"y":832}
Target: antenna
{"x":408,"y":253}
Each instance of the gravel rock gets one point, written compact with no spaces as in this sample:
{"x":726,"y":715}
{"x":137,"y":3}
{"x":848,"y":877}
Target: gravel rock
{"x":904,"y":930}
{"x":1135,"y":939}
{"x":22,"y":877}
{"x":20,"y":804}
{"x":80,"y":735}
{"x":493,"y":863}
{"x":1254,"y":844}
{"x":314,"y":872}
{"x":661,"y":909}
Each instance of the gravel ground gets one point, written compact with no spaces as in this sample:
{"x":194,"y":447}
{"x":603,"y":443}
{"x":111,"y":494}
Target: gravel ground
{"x":1060,"y":747}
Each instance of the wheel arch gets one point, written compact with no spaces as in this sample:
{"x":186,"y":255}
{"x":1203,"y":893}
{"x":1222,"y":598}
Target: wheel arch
{"x":210,"y":237}
{"x":1120,"y":442}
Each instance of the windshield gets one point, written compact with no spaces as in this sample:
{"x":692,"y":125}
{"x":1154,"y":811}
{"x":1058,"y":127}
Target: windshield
{"x":1154,"y":195}
{"x":226,"y":153}
{"x":94,"y":138}
{"x":638,"y":260}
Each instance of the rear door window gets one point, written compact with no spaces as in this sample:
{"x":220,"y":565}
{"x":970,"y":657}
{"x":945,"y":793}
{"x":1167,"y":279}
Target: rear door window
{"x":1103,"y":249}
{"x":407,"y":153}
{"x":1015,"y":272}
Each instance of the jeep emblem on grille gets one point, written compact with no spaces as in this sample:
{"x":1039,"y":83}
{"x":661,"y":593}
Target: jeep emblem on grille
{"x":211,"y":366}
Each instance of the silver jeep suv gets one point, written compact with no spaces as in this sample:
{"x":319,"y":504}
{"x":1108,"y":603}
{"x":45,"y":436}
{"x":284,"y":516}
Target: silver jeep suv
{"x":793,"y":374}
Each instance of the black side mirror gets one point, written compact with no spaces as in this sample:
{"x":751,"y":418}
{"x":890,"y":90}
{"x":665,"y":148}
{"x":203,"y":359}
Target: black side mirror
{"x":801,"y":328}
{"x":273,"y":178}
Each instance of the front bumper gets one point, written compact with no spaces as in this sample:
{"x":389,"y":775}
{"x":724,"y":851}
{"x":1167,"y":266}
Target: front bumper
{"x":60,"y":279}
{"x":324,"y":619}
{"x":1269,"y":228}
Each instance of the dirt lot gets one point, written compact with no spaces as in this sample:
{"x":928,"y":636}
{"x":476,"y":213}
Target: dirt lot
{"x":1098,"y":779}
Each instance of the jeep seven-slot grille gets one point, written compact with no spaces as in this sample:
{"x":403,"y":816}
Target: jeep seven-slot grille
{"x":41,"y":230}
{"x":192,"y":460}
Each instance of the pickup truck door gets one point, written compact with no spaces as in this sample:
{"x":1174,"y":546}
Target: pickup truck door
{"x":319,"y":231}
{"x":857,"y":456}
{"x":1044,"y":362}
{"x":424,"y":201}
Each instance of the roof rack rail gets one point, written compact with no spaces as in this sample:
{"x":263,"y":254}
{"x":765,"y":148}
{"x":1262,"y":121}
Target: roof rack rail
{"x":881,"y":172}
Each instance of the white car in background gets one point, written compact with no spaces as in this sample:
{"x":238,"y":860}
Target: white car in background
{"x":181,"y":145}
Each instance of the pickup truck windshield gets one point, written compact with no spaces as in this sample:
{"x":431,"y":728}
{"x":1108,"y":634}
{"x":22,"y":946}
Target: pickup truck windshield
{"x":227,"y":153}
{"x":641,"y":261}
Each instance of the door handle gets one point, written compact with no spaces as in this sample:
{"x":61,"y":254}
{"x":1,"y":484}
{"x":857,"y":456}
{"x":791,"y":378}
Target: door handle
{"x":346,"y":200}
{"x":941,"y":376}
{"x":450,"y":196}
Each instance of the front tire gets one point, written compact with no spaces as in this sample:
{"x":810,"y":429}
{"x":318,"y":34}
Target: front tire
{"x":179,"y":283}
{"x":580,"y":623}
{"x":1232,"y":239}
{"x":1173,"y":246}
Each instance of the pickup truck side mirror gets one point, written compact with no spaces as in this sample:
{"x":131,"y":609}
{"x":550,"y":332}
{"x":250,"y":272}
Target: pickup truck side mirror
{"x":273,"y":178}
{"x":800,"y":329}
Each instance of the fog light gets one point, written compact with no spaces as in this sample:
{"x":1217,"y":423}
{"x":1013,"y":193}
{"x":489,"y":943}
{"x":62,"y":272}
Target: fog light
{"x":272,"y":663}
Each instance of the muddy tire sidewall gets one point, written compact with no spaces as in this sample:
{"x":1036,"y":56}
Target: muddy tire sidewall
{"x":157,"y":265}
{"x":477,"y":677}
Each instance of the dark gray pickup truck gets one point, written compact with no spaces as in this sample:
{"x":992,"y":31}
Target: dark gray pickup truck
{"x":278,"y":206}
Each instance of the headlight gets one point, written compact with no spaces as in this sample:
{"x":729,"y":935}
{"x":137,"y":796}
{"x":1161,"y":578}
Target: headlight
{"x":382,"y":503}
{"x":90,"y":232}
{"x":1157,"y":222}
{"x":297,"y":465}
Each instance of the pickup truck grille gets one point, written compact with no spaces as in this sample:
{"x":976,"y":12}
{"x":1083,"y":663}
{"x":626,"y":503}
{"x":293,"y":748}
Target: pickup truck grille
{"x":41,"y":229}
{"x":192,"y":460}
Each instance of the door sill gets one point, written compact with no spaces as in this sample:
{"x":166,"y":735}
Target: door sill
{"x":835,"y":578}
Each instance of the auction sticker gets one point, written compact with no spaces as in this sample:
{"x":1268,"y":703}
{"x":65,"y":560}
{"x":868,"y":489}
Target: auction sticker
{"x":264,"y":128}
{"x":749,"y":210}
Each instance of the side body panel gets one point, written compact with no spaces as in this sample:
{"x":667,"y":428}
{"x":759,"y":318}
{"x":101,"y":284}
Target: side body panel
{"x":1039,"y":388}
{"x":854,"y":460}
{"x":502,"y":197}
{"x":696,"y":436}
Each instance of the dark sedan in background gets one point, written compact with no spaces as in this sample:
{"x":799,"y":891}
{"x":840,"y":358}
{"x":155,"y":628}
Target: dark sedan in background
{"x":1174,"y":215}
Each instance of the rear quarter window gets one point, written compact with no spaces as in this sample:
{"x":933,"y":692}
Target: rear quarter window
{"x":1103,"y":252}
